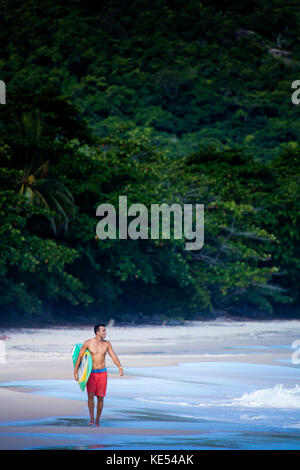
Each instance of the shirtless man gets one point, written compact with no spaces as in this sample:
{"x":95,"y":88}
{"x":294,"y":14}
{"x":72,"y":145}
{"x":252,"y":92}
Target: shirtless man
{"x":96,"y":385}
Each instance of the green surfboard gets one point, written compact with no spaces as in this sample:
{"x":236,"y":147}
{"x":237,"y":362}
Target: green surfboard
{"x":85,"y":366}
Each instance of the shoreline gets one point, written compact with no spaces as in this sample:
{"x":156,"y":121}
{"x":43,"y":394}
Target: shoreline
{"x":137,"y":321}
{"x":29,"y":419}
{"x":63,"y":370}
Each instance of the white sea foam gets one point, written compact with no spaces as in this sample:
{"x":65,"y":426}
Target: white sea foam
{"x":252,"y":418}
{"x":165,"y":402}
{"x":279,"y":397}
{"x":292,"y":426}
{"x":276,"y":397}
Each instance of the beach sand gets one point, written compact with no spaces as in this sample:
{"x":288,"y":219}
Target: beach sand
{"x":22,"y":412}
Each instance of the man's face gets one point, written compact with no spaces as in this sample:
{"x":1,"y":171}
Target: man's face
{"x":101,"y":332}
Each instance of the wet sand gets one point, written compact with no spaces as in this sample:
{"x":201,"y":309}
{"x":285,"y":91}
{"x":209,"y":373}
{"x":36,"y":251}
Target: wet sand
{"x":19,"y":406}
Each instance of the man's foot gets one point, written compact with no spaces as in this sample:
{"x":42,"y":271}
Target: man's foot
{"x":97,"y":422}
{"x":91,"y":423}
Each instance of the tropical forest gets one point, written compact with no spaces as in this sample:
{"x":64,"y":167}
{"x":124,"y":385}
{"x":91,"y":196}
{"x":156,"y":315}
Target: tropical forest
{"x":164,"y":102}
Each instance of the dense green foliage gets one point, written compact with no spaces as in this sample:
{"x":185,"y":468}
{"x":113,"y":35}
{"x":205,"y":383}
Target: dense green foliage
{"x":182,"y":73}
{"x":168,"y":103}
{"x":61,"y":267}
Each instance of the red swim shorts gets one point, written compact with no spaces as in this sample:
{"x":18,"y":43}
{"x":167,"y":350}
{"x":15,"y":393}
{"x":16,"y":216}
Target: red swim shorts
{"x":97,"y":383}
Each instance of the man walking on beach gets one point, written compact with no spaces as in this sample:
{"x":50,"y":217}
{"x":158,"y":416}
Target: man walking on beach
{"x":96,"y":385}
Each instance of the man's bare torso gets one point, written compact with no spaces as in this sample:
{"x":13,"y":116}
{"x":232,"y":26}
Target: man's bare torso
{"x":98,"y":350}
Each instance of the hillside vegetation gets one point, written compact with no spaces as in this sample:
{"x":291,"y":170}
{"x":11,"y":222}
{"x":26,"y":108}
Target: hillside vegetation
{"x":165,"y":102}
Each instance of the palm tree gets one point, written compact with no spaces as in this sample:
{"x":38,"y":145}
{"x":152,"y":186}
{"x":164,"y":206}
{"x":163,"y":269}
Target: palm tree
{"x":37,"y":187}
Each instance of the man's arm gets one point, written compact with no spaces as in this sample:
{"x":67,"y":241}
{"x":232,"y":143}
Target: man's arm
{"x":114,"y":357}
{"x":80,"y":356}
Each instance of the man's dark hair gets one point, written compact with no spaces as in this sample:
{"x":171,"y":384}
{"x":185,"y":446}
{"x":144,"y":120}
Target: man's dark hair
{"x":96,"y":328}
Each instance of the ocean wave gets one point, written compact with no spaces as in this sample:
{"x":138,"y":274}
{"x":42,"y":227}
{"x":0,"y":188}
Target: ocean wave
{"x":279,"y":397}
{"x":276,"y":397}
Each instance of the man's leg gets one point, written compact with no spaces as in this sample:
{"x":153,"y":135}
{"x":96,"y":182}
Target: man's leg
{"x":91,"y":407}
{"x":99,"y":408}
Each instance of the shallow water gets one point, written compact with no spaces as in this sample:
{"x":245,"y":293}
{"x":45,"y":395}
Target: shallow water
{"x":229,"y":405}
{"x":226,"y":405}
